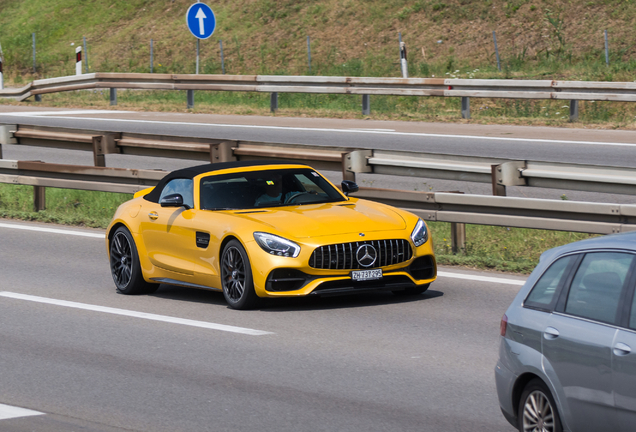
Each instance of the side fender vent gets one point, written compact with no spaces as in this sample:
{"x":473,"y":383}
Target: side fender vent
{"x":203,"y":239}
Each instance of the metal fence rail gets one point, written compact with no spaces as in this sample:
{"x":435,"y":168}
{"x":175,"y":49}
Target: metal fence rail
{"x":497,"y":171}
{"x":594,"y":218}
{"x":464,"y":88}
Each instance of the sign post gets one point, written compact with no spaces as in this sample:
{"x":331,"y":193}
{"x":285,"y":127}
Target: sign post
{"x":201,"y":23}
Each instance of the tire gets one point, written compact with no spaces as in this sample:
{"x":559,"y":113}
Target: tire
{"x":236,"y":277}
{"x":537,"y":409}
{"x":411,"y":291}
{"x":124,"y":265}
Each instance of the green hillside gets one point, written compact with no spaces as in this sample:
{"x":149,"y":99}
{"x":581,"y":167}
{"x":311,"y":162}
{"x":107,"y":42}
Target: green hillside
{"x":537,"y":38}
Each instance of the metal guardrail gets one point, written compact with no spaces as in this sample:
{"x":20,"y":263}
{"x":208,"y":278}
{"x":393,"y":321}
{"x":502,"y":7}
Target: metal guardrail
{"x":465,"y":88}
{"x":41,"y":174}
{"x":513,"y":89}
{"x":594,"y":218}
{"x":497,"y":171}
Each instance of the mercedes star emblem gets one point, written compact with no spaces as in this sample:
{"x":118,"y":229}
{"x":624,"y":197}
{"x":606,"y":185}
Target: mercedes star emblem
{"x":366,"y":255}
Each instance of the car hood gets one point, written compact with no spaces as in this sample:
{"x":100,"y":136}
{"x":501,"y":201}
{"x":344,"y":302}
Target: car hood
{"x":328,"y":219}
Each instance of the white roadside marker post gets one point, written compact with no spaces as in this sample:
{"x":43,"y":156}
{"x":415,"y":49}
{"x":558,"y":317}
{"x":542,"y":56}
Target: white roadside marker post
{"x":403,"y":62}
{"x":78,"y":60}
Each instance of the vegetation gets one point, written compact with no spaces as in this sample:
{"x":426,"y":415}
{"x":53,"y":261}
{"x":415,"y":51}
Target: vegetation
{"x":497,"y":248}
{"x":537,"y":39}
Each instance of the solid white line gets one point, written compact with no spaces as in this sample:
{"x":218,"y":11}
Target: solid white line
{"x":480,"y":278}
{"x":9,"y":412}
{"x":75,"y":112}
{"x":358,"y":131}
{"x":52,"y":230}
{"x":143,"y":315}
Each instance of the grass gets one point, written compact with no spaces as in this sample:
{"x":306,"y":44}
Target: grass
{"x":487,"y":247}
{"x":63,"y":206}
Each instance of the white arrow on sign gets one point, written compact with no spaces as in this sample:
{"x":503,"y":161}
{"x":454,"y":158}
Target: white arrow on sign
{"x":201,"y":16}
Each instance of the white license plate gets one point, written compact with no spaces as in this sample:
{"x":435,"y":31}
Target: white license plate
{"x":364,"y":275}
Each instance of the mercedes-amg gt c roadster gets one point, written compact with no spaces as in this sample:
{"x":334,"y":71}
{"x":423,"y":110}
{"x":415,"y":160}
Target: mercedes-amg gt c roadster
{"x":265,"y":229}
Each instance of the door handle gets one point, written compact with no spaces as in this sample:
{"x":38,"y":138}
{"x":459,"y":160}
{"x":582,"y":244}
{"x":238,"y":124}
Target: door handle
{"x":621,"y":349}
{"x":551,"y":333}
{"x":153,"y":215}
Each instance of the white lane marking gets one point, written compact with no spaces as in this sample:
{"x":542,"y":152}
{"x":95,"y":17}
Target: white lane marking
{"x":135,"y":314}
{"x":480,"y":278}
{"x":360,"y":131}
{"x":9,"y":412}
{"x":50,"y":113}
{"x":52,"y":230}
{"x":372,"y":129}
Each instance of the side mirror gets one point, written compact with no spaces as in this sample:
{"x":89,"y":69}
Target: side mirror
{"x":174,"y":200}
{"x":349,"y":187}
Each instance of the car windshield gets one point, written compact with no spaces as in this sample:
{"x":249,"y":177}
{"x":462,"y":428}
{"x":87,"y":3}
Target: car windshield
{"x":267,"y":188}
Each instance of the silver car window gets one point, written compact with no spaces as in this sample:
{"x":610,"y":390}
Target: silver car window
{"x":596,"y":289}
{"x":543,"y":294}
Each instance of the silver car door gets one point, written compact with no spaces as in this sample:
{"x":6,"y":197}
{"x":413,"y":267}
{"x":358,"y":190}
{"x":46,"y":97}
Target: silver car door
{"x":624,"y":363}
{"x":578,"y":338}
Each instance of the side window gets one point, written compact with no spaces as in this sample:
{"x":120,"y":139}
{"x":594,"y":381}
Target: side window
{"x":308,"y":184}
{"x":597,"y":285}
{"x":544,"y":292}
{"x":184,"y":187}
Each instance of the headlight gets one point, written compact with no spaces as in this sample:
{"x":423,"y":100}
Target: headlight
{"x":276,"y":245}
{"x":419,"y":234}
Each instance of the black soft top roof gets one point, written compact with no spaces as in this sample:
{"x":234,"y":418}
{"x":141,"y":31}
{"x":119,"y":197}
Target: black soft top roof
{"x":191,"y":172}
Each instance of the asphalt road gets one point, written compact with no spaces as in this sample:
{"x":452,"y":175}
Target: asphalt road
{"x":601,"y":147}
{"x":370,"y":362}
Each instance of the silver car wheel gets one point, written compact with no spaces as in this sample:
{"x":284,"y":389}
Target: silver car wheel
{"x":538,"y":414}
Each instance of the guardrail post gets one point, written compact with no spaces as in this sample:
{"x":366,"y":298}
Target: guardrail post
{"x":113,"y":96}
{"x":98,"y":152}
{"x":273,"y":102}
{"x":38,"y":98}
{"x":222,"y":152}
{"x":39,"y":198}
{"x":574,"y":110}
{"x":366,"y":105}
{"x":507,"y":174}
{"x":190,"y":103}
{"x":356,"y":161}
{"x":465,"y":107}
{"x":458,"y":237}
{"x":497,"y":188}
{"x":6,"y":135}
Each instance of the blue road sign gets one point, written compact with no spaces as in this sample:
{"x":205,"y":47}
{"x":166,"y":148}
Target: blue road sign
{"x":201,"y":20}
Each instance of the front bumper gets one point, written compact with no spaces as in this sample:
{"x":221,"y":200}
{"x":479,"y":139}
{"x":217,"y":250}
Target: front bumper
{"x":421,"y":271}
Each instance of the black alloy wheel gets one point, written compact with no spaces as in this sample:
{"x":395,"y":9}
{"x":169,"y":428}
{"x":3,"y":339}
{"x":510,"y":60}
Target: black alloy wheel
{"x":124,"y":265}
{"x":537,"y":409}
{"x":236,"y":277}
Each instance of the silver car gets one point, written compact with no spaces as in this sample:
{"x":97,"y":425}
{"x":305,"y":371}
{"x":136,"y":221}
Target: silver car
{"x":567,"y":357}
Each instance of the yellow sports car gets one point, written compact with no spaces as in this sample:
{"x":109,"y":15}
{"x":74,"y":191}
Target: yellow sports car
{"x":265,"y":229}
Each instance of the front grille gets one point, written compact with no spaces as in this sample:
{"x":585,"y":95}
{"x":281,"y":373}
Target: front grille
{"x":342,"y":256}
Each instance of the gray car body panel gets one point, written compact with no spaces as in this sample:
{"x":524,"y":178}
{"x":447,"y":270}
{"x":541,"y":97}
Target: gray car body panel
{"x":521,"y":351}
